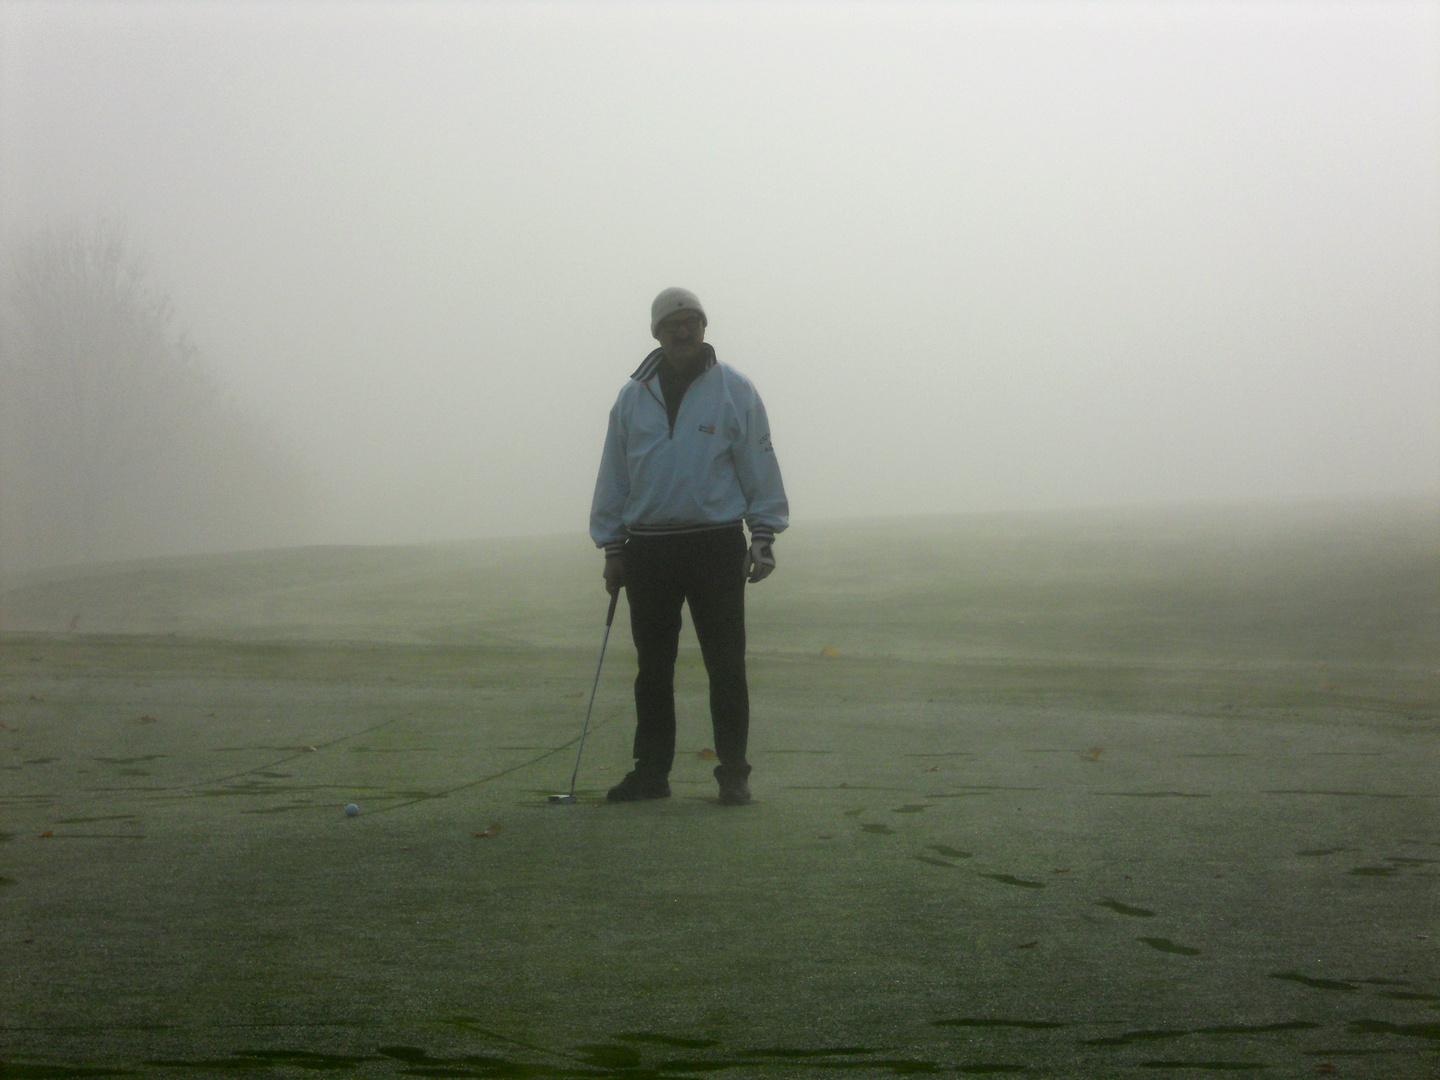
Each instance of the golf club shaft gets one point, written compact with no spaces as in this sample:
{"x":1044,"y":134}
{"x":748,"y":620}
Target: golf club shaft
{"x":605,"y":640}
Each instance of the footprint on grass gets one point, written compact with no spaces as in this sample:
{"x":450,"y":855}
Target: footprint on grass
{"x":934,"y":861}
{"x":950,"y":852}
{"x":910,"y":808}
{"x":1125,"y":909}
{"x":1315,"y":984}
{"x":1164,"y":944}
{"x":1010,"y":879}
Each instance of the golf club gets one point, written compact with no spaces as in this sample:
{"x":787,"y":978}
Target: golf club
{"x":569,"y":797}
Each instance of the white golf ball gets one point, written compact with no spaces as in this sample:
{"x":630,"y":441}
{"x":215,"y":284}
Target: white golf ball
{"x":352,"y":810}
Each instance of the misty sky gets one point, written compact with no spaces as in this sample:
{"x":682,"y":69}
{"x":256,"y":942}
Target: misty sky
{"x":975,"y":256}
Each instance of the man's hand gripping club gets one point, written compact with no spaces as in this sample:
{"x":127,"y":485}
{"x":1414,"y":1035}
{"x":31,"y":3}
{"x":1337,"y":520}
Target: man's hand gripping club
{"x":614,"y":573}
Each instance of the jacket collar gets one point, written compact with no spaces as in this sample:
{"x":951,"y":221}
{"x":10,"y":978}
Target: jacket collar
{"x":651,"y":364}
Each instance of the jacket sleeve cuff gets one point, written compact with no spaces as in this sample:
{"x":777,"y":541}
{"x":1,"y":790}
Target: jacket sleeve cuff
{"x":614,"y":548}
{"x":762,"y":535}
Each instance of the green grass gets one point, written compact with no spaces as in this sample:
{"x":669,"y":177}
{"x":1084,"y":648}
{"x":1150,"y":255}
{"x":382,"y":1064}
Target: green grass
{"x":989,"y":752}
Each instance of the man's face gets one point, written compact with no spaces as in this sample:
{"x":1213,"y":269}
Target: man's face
{"x":681,"y":335}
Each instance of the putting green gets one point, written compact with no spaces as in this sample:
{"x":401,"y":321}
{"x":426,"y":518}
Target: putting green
{"x":1066,"y":796}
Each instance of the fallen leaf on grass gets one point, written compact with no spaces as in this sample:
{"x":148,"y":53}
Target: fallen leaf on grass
{"x":47,"y":832}
{"x":824,"y":836}
{"x":1028,"y":945}
{"x":932,"y":768}
{"x":1093,"y":754}
{"x":309,"y":749}
{"x":486,"y":834}
{"x":829,"y":650}
{"x":1060,"y":870}
{"x":707,"y":754}
{"x":146,"y":719}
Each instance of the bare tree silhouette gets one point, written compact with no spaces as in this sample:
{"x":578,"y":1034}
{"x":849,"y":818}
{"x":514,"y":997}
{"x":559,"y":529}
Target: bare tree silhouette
{"x":115,"y":440}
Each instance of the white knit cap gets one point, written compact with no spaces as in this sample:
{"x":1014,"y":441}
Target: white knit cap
{"x":671,"y":301}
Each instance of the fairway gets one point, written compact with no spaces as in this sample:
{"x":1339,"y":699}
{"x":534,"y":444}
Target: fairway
{"x":1070,"y":795}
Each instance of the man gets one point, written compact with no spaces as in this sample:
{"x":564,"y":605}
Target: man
{"x":687,"y":459}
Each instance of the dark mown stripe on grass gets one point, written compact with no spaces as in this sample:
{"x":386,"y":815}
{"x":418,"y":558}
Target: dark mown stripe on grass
{"x":95,"y":836}
{"x":1317,"y":984}
{"x":1214,"y":1066}
{"x":1229,"y":1029}
{"x":250,"y":1060}
{"x":1129,"y":1037}
{"x":56,"y":1072}
{"x":1342,"y":794}
{"x":996,"y":1022}
{"x":666,"y":1040}
{"x":1384,"y":1027}
{"x":1258,"y":1029}
{"x":415,"y":1056}
{"x":1155,"y":794}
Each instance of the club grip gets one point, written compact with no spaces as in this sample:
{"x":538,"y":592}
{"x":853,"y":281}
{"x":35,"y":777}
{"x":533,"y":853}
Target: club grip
{"x":614,"y":599}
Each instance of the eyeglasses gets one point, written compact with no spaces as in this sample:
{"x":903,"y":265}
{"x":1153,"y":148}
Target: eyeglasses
{"x":673,"y":323}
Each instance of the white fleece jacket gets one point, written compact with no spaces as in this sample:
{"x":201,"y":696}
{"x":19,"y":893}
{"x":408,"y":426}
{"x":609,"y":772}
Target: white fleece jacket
{"x":715,"y":468}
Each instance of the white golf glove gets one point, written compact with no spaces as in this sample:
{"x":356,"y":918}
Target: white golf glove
{"x":759,"y":561}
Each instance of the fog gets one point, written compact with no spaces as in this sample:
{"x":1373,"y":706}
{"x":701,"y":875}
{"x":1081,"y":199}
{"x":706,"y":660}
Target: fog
{"x":975,"y":256}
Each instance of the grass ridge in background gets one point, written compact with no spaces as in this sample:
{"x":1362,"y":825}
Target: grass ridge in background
{"x":1338,"y":583}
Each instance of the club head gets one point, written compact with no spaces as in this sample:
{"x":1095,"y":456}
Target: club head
{"x":561,"y":800}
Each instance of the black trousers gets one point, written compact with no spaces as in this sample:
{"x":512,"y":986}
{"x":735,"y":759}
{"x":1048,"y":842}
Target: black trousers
{"x":706,"y":570}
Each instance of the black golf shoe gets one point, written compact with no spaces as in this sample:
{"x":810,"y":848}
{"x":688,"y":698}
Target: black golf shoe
{"x":734,"y":793}
{"x":734,"y":789}
{"x":637,"y":786}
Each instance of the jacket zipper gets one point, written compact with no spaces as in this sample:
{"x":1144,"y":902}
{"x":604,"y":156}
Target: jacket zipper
{"x":661,"y":403}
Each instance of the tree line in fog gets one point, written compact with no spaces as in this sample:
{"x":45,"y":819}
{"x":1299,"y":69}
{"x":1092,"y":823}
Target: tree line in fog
{"x":116,"y":440}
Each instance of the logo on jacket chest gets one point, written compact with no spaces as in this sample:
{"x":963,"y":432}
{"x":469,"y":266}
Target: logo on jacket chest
{"x":708,"y":429}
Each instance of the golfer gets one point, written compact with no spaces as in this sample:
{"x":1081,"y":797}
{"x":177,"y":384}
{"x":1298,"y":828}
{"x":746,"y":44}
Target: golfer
{"x":687,"y":466}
